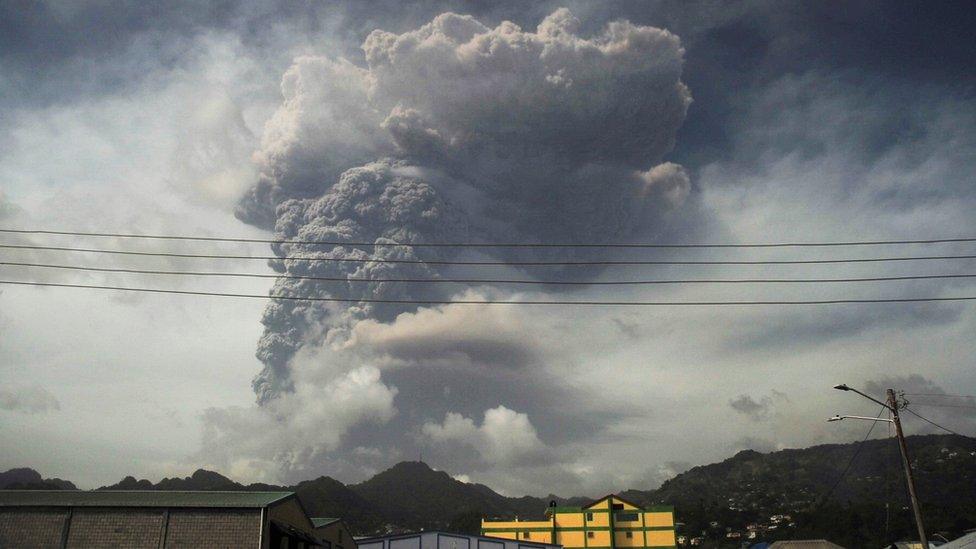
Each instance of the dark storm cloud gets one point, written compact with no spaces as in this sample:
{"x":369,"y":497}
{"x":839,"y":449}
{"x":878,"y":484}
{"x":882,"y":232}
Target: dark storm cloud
{"x":745,"y":404}
{"x":29,"y":399}
{"x":844,"y":324}
{"x":759,"y":410}
{"x":61,"y":52}
{"x":735,"y":49}
{"x":929,"y":399}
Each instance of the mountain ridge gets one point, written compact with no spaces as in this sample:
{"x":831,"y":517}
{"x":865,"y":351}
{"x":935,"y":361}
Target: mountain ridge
{"x":746,"y":489}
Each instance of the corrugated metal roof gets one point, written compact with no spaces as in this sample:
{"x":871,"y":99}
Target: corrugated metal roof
{"x":137,"y":498}
{"x":319,"y":522}
{"x":804,"y":544}
{"x":968,"y":541}
{"x":522,"y":543}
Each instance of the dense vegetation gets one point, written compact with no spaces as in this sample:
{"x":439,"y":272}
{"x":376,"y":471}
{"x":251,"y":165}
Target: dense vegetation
{"x":866,"y":507}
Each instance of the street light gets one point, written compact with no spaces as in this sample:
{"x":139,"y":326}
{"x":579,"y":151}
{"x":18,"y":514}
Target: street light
{"x":839,"y":417}
{"x":892,"y":406}
{"x":843,"y":387}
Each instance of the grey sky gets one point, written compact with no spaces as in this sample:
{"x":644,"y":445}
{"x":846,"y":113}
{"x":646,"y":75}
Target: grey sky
{"x":186,"y":119}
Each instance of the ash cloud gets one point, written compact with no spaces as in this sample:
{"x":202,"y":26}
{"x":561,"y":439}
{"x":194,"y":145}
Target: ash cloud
{"x":457,"y":131}
{"x":454,"y":131}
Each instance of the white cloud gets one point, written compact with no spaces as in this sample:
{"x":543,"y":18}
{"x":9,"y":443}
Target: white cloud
{"x":505,"y":437}
{"x":282,"y":439}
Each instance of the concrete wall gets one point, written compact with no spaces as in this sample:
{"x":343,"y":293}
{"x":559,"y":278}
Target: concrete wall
{"x":610,"y":523}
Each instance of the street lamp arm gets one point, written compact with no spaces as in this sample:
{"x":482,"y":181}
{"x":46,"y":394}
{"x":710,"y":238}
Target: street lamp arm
{"x":844,"y":387}
{"x":839,"y":417}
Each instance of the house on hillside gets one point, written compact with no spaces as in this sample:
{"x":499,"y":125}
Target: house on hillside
{"x":154,"y":519}
{"x":610,"y":522}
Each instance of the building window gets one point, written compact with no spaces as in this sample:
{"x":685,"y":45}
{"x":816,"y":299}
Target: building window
{"x":525,"y":535}
{"x":626,"y":517}
{"x":630,"y":535}
{"x":589,"y":535}
{"x":589,"y":517}
{"x":617,"y":506}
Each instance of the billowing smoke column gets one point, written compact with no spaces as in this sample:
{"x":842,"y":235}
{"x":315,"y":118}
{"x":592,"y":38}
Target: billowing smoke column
{"x":453,"y":132}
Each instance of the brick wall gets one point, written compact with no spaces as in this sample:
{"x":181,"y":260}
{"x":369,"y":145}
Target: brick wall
{"x":230,"y":528}
{"x":27,"y":529}
{"x":122,"y":528}
{"x":130,"y":528}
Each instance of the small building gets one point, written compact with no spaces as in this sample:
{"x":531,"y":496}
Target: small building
{"x":335,"y":531}
{"x":154,"y":519}
{"x":447,"y":540}
{"x":610,"y":522}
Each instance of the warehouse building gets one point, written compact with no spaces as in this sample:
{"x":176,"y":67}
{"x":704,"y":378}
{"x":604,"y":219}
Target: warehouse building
{"x":154,"y":519}
{"x":335,"y":531}
{"x":446,"y":540}
{"x":610,"y":522}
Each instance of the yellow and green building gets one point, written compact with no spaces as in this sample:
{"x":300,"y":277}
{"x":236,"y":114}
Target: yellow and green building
{"x":608,"y":523}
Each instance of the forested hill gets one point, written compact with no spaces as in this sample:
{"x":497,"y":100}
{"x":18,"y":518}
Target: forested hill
{"x":807,"y":484}
{"x":811,"y":486}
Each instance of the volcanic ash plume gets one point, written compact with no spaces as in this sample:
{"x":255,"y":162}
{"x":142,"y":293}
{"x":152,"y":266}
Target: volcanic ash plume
{"x":456,"y":131}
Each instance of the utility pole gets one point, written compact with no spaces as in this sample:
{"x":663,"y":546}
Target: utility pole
{"x":893,"y":406}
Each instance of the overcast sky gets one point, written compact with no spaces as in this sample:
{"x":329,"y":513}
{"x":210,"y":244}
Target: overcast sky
{"x":448,"y":121}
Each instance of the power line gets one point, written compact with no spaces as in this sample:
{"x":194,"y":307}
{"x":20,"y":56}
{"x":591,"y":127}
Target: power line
{"x":490,"y":280}
{"x":496,"y":263}
{"x":937,"y":395}
{"x":850,"y":463}
{"x":493,"y":244}
{"x":910,"y":411}
{"x":491,"y":302}
{"x":944,"y":405}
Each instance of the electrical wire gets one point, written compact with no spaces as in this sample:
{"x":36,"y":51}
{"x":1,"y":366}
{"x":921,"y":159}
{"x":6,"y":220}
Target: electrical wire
{"x":850,"y":463}
{"x":496,"y":263}
{"x":937,"y":395}
{"x":493,"y":244}
{"x":491,"y":302}
{"x":944,"y":405}
{"x":916,"y":414}
{"x":488,"y":280}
